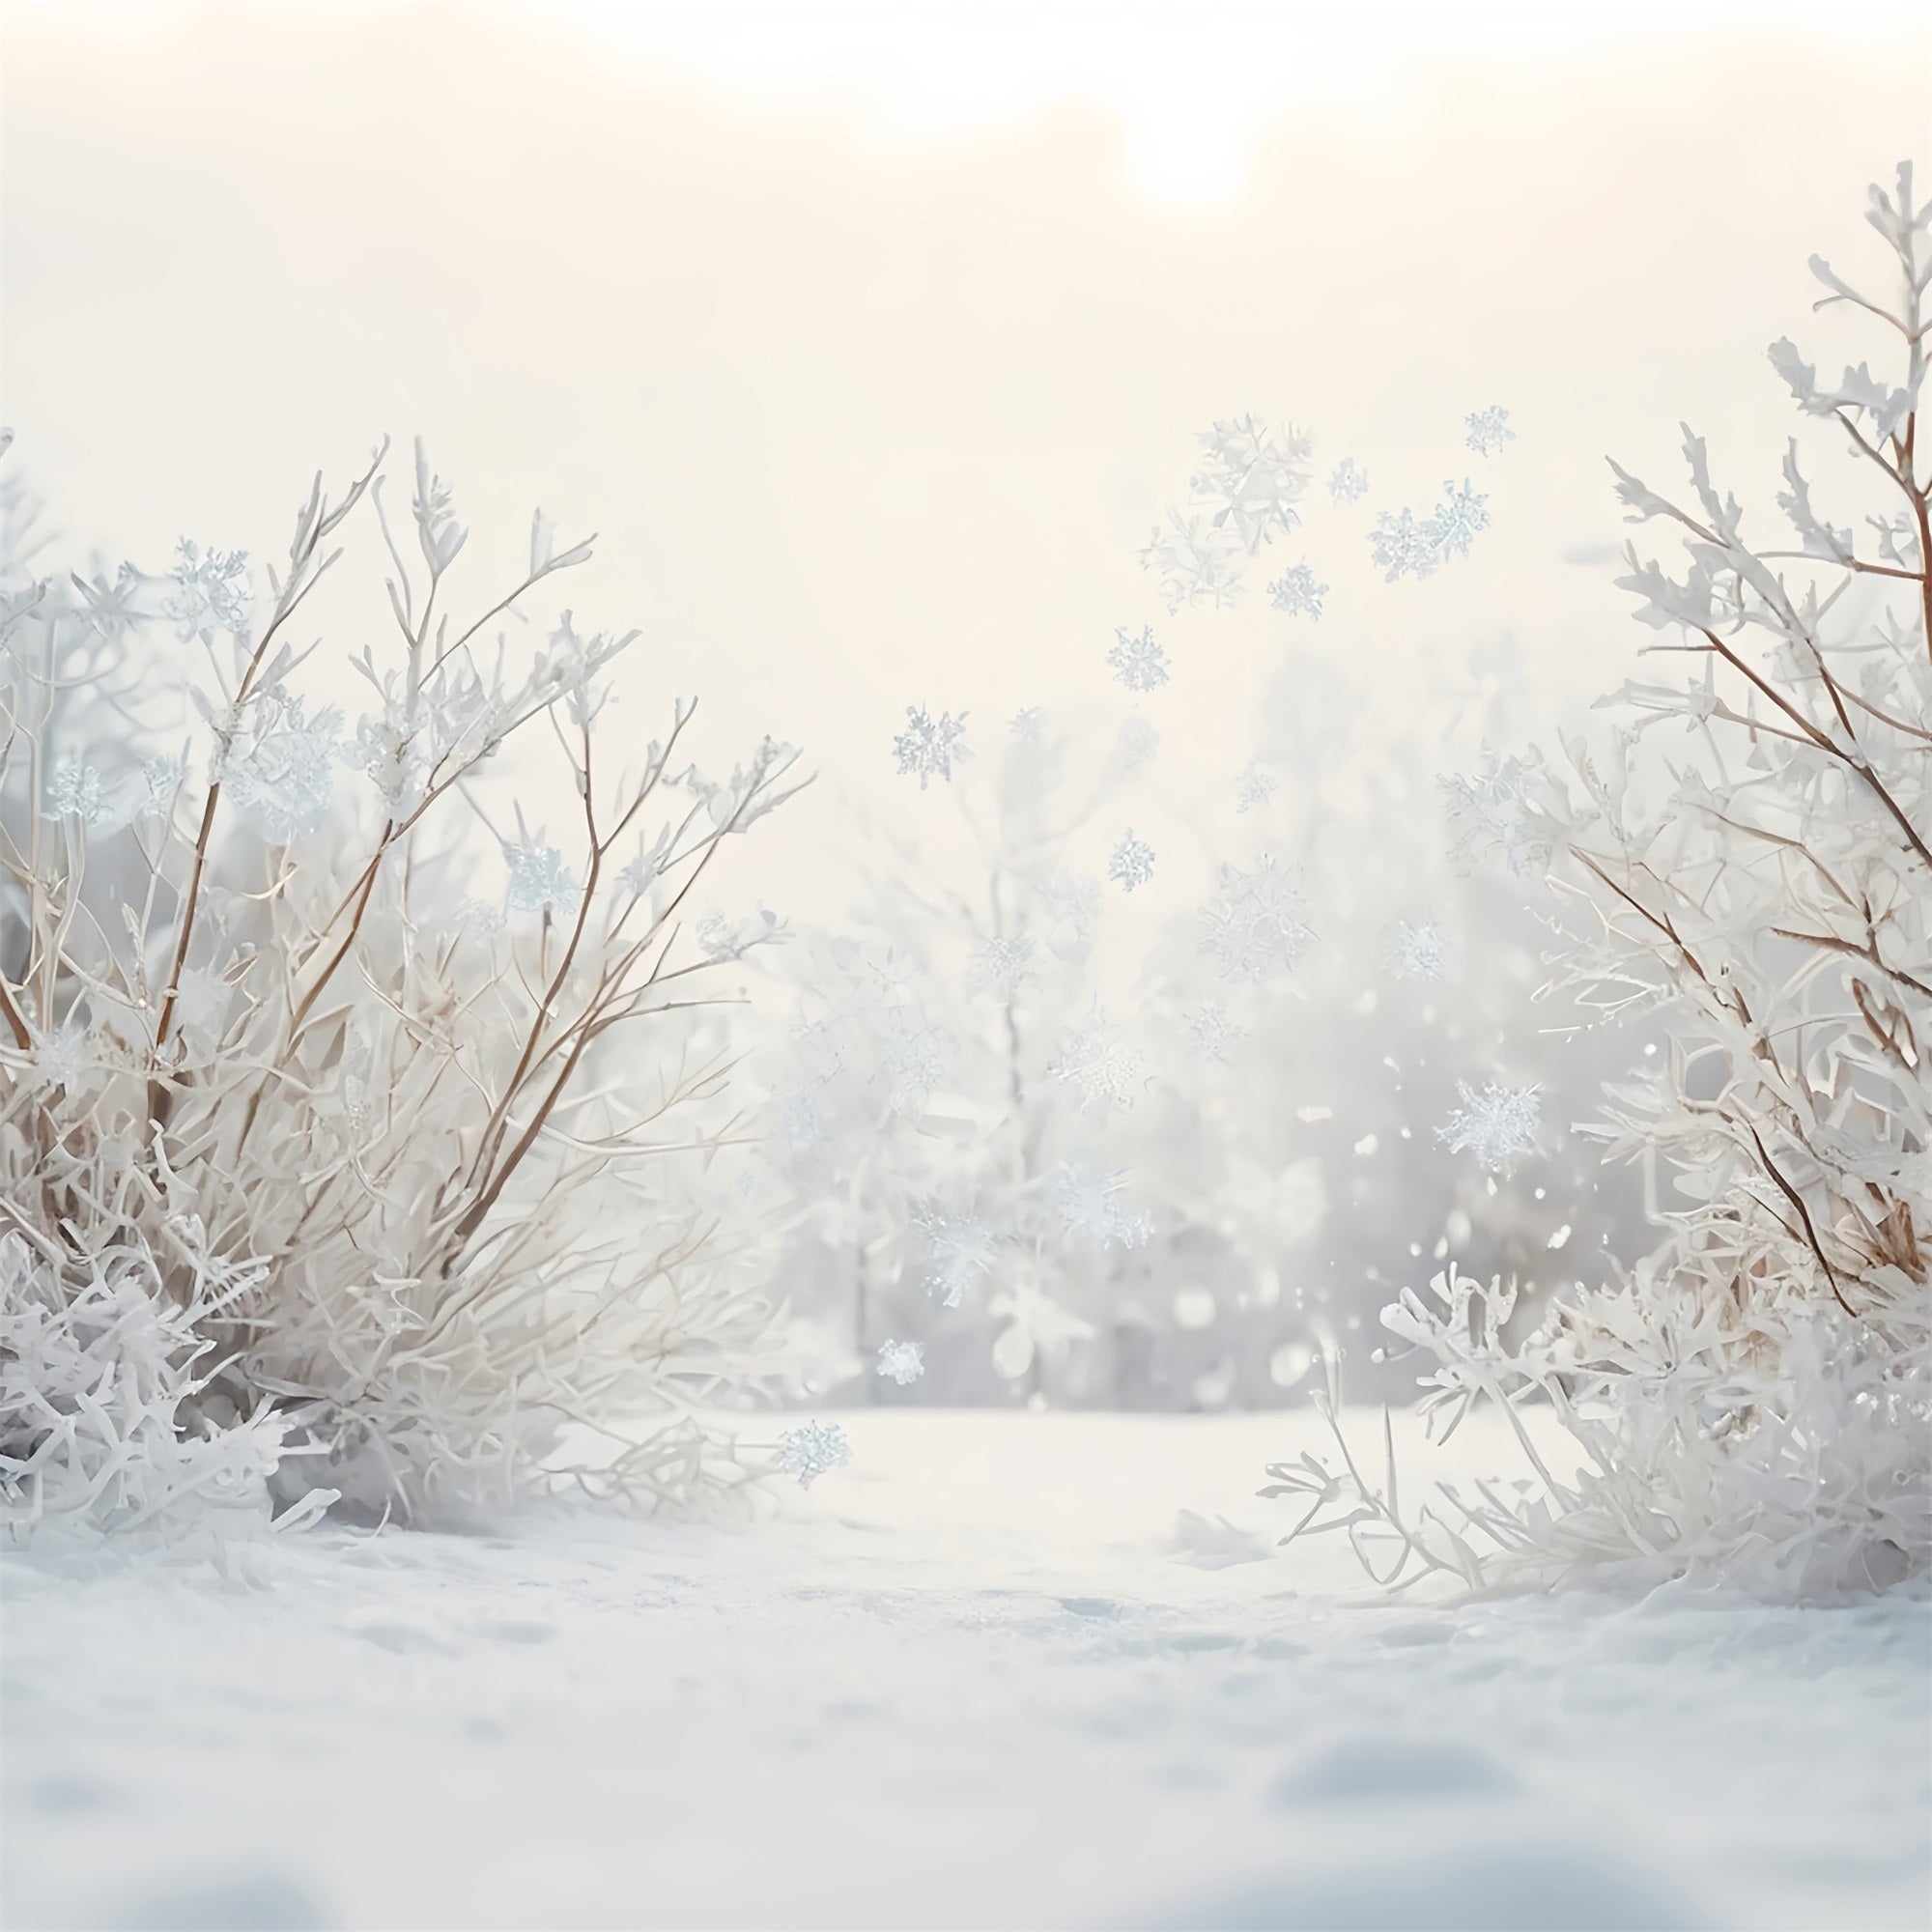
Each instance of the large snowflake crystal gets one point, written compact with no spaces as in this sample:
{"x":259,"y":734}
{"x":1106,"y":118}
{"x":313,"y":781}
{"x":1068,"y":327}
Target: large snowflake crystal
{"x":1132,"y":862}
{"x":540,"y":881}
{"x":811,"y":1449}
{"x":1099,"y":1063}
{"x":1198,"y":561}
{"x":1458,"y":518}
{"x":1416,"y":951}
{"x":280,"y":768}
{"x":1493,"y":813}
{"x":1298,"y":594}
{"x":1249,"y":482}
{"x":1255,"y":789}
{"x":1138,"y":663}
{"x":902,"y":1362}
{"x":1256,"y":926}
{"x":1089,"y":1202}
{"x":1498,"y":1125}
{"x":1002,"y":965}
{"x":1489,"y":430}
{"x":928,"y":747}
{"x":211,"y":592}
{"x":1348,"y":482}
{"x":1212,"y":1033}
{"x":961,"y":1248}
{"x":1401,"y":546}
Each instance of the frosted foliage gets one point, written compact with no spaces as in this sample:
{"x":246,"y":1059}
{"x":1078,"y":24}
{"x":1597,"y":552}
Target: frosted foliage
{"x":811,"y":1450}
{"x":1489,"y":430}
{"x":1495,"y":1122}
{"x":1493,"y":813}
{"x":1256,"y":923}
{"x":331,"y":1189}
{"x":930,"y":747}
{"x":1240,"y":499}
{"x":1138,"y":663}
{"x":900,"y":1362}
{"x":1132,"y":861}
{"x":1752,"y":1401}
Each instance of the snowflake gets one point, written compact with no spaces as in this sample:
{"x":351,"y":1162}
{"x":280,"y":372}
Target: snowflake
{"x":1139,"y":662}
{"x":801,"y":1120}
{"x":1212,"y":1032}
{"x":1198,"y":562}
{"x":1489,"y":430}
{"x":1255,"y":789}
{"x":75,"y":791}
{"x":163,"y":776}
{"x":540,"y":881}
{"x":1497,"y":1126}
{"x":902,"y":1362}
{"x":201,"y":996}
{"x":1089,"y":1205}
{"x":61,"y":1058}
{"x":1416,"y":951}
{"x":930,"y":745}
{"x":811,"y":1449}
{"x":284,"y":772}
{"x":1492,"y":811}
{"x":1002,"y":965}
{"x":1257,"y":922}
{"x":1458,"y":518}
{"x":962,"y":1250}
{"x":211,"y":592}
{"x":1132,"y":862}
{"x":1250,"y":481}
{"x":1348,"y":483}
{"x":1095,"y":1059}
{"x":1404,"y":547}
{"x":912,"y":1061}
{"x":1026,"y":724}
{"x":1139,"y":741}
{"x":1298,"y":594}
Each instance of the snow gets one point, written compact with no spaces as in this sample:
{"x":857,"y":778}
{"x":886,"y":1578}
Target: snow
{"x":1002,"y":1669}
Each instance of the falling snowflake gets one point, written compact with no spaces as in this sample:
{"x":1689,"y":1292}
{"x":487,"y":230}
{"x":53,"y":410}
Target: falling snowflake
{"x":962,"y":1249}
{"x":802,"y":1119}
{"x":1138,"y":663}
{"x":929,"y":745}
{"x":1002,"y":965}
{"x":1416,"y":951}
{"x":1095,"y":1059}
{"x":1497,"y":1124}
{"x":1347,"y":482}
{"x":1255,"y":789}
{"x":1250,"y":482}
{"x":902,"y":1362}
{"x":540,"y":881}
{"x":913,"y":1068}
{"x":1404,"y":547}
{"x":1089,"y":1202}
{"x":1212,"y":1032}
{"x":1197,"y":561}
{"x":1132,"y":862}
{"x":282,"y":771}
{"x":211,"y":592}
{"x":808,"y":1451}
{"x":1139,"y":741}
{"x":1493,"y":813}
{"x":1458,"y":518}
{"x":75,"y":792}
{"x":1257,"y":925}
{"x":1489,"y":430}
{"x":1026,"y":722}
{"x":1298,"y":594}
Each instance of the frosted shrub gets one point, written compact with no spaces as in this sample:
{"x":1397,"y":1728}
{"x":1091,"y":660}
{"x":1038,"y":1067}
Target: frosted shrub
{"x":1752,"y":1403}
{"x":330,"y":1166}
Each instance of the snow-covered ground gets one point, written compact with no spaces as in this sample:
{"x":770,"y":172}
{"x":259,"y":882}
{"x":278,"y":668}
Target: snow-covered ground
{"x":987,"y":1675}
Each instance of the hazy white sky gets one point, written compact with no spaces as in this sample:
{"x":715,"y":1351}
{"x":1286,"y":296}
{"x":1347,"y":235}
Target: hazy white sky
{"x":873,"y":339}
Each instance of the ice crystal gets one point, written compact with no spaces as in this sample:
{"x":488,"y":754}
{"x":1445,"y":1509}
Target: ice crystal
{"x":1497,"y":1124}
{"x":1489,"y":430}
{"x":1002,"y":965}
{"x":1250,"y":482}
{"x":912,"y":1065}
{"x":1458,"y":518}
{"x":1401,"y":546}
{"x":1026,"y":724}
{"x":1255,"y":789}
{"x":75,"y":792}
{"x":1212,"y":1033}
{"x":811,"y":1449}
{"x":1132,"y":862}
{"x":1089,"y":1202}
{"x":280,"y":768}
{"x":1416,"y":951}
{"x":1348,"y":482}
{"x":211,"y":592}
{"x":902,"y":1362}
{"x":1198,"y":562}
{"x":1492,"y":813}
{"x":540,"y":881}
{"x":61,"y":1058}
{"x":1138,"y":663}
{"x":802,"y":1119}
{"x":1298,"y":594}
{"x":1095,"y":1059}
{"x":963,"y":1247}
{"x":929,"y":745}
{"x":1256,"y":926}
{"x":1139,"y":742}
